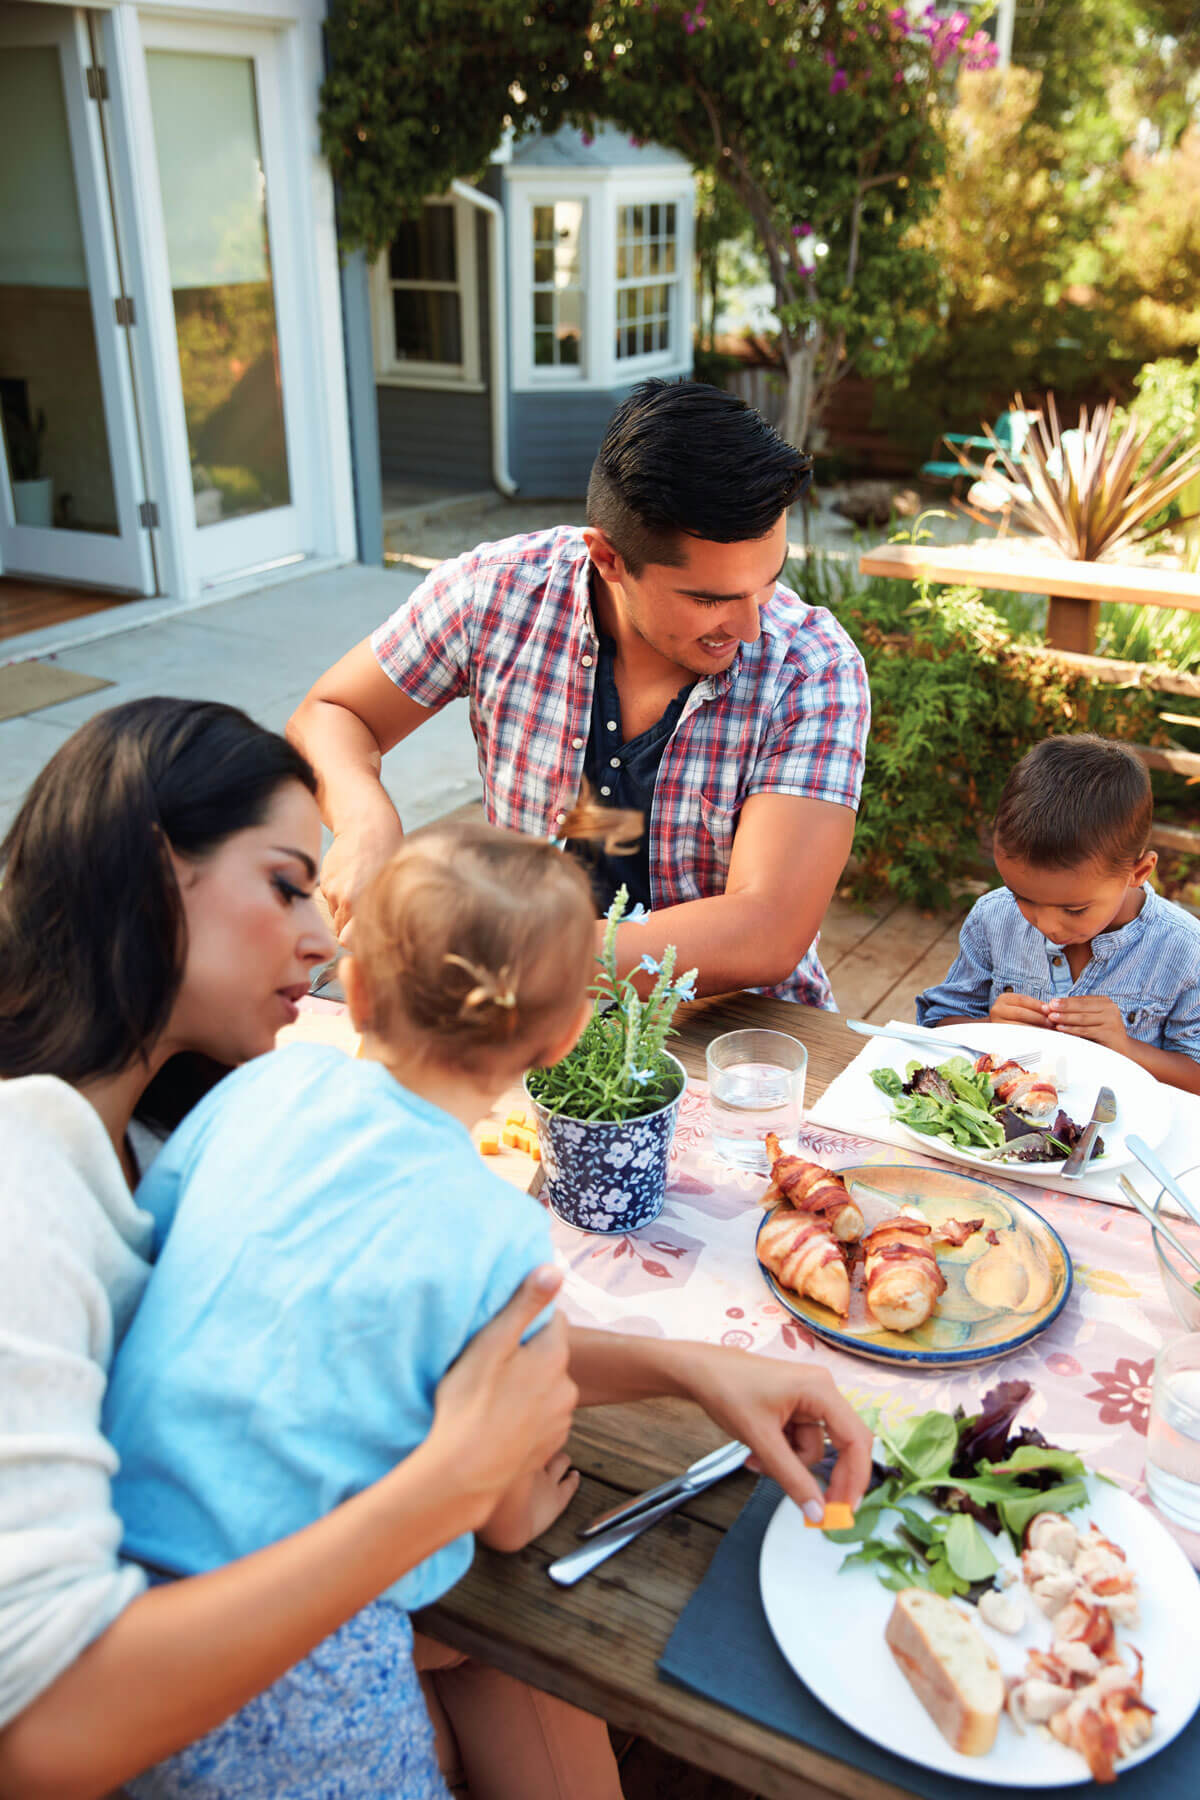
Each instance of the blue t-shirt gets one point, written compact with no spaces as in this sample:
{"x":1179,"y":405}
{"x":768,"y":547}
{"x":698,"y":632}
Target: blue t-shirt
{"x":330,"y":1242}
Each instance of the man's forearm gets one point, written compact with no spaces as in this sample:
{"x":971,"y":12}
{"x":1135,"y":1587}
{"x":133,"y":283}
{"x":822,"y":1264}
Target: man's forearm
{"x":732,"y":941}
{"x":348,"y":762}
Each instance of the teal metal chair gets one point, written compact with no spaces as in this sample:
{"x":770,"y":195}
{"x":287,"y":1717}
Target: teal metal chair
{"x":1012,"y":433}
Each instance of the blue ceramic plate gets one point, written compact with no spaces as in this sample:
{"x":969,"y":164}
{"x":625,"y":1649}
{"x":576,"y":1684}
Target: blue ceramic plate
{"x":998,"y":1295}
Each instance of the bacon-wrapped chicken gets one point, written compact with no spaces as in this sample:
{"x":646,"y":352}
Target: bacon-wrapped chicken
{"x":811,"y":1189}
{"x":904,"y":1282}
{"x":1033,"y":1096}
{"x":802,"y":1253}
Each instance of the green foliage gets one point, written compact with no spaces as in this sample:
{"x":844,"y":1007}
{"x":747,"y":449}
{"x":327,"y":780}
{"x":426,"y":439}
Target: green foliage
{"x":419,"y":93}
{"x":955,"y":706}
{"x":619,"y":1068}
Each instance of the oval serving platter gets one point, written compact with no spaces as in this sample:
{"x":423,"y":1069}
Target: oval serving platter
{"x":998,"y":1295}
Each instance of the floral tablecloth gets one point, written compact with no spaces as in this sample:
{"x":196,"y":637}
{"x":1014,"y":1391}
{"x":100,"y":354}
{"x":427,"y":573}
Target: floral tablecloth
{"x":693,"y":1274}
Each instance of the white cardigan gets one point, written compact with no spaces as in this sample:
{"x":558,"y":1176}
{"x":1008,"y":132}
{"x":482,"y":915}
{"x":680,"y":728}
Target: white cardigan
{"x":73,"y":1264}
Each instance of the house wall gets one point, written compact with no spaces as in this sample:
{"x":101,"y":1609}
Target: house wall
{"x":437,"y":434}
{"x":554,"y":437}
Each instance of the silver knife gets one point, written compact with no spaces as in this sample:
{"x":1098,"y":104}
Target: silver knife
{"x":710,"y":1468}
{"x":1103,"y":1113}
{"x":579,"y":1562}
{"x":1151,"y":1216}
{"x":928,"y":1040}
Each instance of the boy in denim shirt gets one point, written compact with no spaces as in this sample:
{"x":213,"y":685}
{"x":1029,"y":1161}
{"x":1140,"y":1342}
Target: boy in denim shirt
{"x":1075,"y":940}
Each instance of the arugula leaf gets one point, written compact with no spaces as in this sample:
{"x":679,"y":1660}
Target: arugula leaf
{"x":924,"y":1447}
{"x":888,"y":1082}
{"x":967,"y":1551}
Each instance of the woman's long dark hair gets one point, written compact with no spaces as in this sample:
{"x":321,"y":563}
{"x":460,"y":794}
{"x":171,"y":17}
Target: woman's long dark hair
{"x":92,"y":937}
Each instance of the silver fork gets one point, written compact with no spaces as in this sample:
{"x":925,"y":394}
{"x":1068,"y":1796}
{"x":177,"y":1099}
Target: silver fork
{"x":1103,"y":1113}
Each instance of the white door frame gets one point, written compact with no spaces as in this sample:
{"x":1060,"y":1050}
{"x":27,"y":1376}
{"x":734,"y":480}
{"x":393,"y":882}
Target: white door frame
{"x":123,"y":560}
{"x":224,"y":551}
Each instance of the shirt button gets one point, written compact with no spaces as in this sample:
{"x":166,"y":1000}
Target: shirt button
{"x":1057,"y":961}
{"x":612,"y":724}
{"x":606,"y":791}
{"x":559,"y":818}
{"x":586,"y":661}
{"x":614,"y":762}
{"x":577,"y":743}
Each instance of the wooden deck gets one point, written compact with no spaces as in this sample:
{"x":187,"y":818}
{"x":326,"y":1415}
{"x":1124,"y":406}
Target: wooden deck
{"x":880,"y":958}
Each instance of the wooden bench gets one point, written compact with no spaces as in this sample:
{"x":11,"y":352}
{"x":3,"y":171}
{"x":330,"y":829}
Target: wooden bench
{"x":1074,"y":591}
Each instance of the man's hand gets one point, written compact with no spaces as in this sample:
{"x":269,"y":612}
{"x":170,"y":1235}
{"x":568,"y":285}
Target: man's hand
{"x":353,"y":857}
{"x":784,"y":1411}
{"x":1091,"y":1016}
{"x":1017,"y":1009}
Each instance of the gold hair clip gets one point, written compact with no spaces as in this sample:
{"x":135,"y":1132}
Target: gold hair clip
{"x":489,"y":991}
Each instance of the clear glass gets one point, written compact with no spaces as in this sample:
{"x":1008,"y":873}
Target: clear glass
{"x":210,"y":168}
{"x":557,"y":290}
{"x":51,"y":400}
{"x":1173,"y":1439}
{"x":755,"y":1085}
{"x":424,"y":249}
{"x":428,"y":326}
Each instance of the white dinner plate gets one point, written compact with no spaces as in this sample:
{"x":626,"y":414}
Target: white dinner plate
{"x":1143,"y":1104}
{"x":830,"y":1628}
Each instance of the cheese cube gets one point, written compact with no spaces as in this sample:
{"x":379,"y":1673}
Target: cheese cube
{"x":836,"y":1517}
{"x":489,"y":1141}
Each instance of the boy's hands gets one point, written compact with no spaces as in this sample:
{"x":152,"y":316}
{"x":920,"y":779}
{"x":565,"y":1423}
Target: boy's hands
{"x":1018,"y":1009}
{"x":1091,"y":1016}
{"x":531,"y":1505}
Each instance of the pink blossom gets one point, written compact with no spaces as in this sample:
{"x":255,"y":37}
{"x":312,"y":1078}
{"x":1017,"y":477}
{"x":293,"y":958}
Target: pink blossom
{"x":899,"y":18}
{"x":830,"y":58}
{"x":802,"y":230}
{"x":838,"y":81}
{"x":898,"y":76}
{"x":585,"y":137}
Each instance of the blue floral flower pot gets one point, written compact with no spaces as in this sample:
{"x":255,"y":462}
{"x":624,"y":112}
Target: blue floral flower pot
{"x":608,"y":1178}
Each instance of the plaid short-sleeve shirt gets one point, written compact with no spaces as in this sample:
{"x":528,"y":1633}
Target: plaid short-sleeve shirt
{"x":510,"y":626}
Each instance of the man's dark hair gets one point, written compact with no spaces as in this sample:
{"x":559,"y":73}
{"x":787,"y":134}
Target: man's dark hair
{"x":1075,"y":800}
{"x":681,"y":459}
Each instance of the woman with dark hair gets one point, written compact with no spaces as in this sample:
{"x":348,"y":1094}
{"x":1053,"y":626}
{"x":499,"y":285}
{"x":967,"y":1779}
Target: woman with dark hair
{"x":157,"y":914}
{"x":157,"y":917}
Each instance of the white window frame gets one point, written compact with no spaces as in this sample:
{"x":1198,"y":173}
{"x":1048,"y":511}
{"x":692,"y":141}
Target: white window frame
{"x":649,"y":362}
{"x":602,"y":190}
{"x":393,"y":371}
{"x":558,"y":374}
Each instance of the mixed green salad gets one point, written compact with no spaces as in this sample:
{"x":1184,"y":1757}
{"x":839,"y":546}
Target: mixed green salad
{"x":976,"y":1471}
{"x":953,"y":1102}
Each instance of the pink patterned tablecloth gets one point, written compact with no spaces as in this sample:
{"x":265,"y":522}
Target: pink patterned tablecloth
{"x":693,"y":1274}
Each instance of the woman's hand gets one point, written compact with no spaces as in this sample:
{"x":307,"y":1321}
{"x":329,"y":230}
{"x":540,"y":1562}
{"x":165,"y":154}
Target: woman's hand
{"x":504,"y":1408}
{"x":784,"y":1411}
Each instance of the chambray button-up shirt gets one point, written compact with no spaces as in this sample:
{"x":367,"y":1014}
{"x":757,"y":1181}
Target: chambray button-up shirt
{"x":510,"y":626}
{"x":1150,"y":968}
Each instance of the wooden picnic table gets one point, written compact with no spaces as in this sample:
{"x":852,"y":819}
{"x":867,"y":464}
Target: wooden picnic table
{"x":598,"y":1643}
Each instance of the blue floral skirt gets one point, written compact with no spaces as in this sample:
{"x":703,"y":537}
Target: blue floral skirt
{"x":348,"y":1723}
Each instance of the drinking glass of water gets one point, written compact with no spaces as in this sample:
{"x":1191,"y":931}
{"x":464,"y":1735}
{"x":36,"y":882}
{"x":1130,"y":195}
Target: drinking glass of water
{"x":755,"y":1085}
{"x":1173,"y":1440}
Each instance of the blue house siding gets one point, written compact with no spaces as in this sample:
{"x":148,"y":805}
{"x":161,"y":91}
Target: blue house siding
{"x":554,"y":437}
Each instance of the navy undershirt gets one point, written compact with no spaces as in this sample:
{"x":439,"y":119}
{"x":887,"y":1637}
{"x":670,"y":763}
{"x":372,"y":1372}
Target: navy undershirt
{"x":621,"y":774}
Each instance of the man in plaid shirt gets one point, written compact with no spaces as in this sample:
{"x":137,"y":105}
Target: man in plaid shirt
{"x":655,"y":655}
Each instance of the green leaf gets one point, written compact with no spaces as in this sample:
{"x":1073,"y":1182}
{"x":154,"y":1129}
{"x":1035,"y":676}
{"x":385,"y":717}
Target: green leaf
{"x":967,"y":1550}
{"x":925,"y":1446}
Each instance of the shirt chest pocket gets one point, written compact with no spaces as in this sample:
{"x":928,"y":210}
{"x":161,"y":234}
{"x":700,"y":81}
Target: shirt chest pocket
{"x":1144,"y":1015}
{"x":714,"y":844}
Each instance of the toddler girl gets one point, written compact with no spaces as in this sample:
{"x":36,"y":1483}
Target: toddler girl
{"x":330,"y":1242}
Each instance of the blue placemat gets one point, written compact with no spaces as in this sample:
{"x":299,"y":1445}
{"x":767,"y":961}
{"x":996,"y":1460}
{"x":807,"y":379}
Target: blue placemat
{"x":722,"y":1648}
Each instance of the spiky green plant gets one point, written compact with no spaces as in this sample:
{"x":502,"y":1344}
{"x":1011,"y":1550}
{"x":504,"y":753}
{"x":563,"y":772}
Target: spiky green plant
{"x":619,"y":1069}
{"x":1081,"y":488}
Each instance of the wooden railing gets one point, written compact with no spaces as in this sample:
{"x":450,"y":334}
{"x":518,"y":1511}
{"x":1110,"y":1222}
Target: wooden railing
{"x":1075,"y":591}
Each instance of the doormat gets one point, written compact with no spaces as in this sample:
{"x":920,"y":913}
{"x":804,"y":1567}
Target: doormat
{"x":26,"y":687}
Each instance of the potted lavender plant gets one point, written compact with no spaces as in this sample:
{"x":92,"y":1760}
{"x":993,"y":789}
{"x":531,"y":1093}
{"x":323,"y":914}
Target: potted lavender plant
{"x":606,"y":1113}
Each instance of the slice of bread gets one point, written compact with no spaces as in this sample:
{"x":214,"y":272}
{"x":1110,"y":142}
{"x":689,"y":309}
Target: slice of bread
{"x":949,"y":1667}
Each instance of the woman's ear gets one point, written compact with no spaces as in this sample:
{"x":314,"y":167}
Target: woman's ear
{"x":355,"y":989}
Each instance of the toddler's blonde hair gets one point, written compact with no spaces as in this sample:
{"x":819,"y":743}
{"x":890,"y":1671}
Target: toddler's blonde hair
{"x":481,"y":941}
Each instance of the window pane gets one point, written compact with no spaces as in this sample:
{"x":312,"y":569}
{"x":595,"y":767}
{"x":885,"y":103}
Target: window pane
{"x":630,"y":341}
{"x":647,"y":338}
{"x":639,"y":220}
{"x":543,"y":265}
{"x":568,"y":350}
{"x":428,"y":326}
{"x":543,"y":309}
{"x":639,"y":259}
{"x":671,"y":220}
{"x":210,"y":167}
{"x":568,"y":222}
{"x":668,"y":262}
{"x":543,"y":224}
{"x":424,"y":249}
{"x":654,"y":216}
{"x":663,"y":334}
{"x":622,"y":262}
{"x":543,"y":347}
